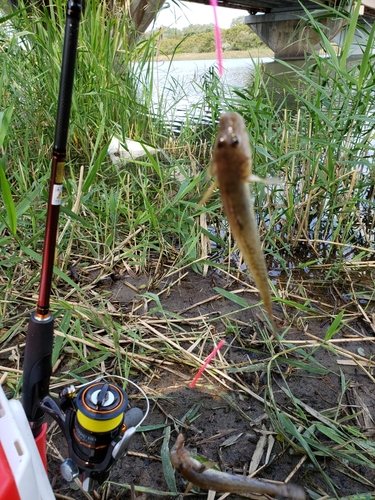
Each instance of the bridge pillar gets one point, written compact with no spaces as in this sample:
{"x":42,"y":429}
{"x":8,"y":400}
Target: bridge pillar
{"x":289,"y":36}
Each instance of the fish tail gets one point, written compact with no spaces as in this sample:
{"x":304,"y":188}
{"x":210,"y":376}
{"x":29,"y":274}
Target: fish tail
{"x":266,"y":297}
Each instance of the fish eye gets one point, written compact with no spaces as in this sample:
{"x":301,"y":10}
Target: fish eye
{"x":221,"y":142}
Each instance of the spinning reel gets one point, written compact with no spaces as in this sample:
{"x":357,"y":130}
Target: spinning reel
{"x":96,"y":426}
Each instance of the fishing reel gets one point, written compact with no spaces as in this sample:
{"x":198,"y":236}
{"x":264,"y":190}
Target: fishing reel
{"x":96,"y":426}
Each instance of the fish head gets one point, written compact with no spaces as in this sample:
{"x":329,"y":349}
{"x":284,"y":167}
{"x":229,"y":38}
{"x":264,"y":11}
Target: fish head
{"x":232,"y":151}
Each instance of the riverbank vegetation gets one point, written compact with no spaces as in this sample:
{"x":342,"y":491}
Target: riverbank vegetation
{"x":198,"y":39}
{"x":229,"y":54}
{"x":137,"y":228}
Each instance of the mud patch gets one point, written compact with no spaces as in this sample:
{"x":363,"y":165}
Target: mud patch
{"x":251,"y":402}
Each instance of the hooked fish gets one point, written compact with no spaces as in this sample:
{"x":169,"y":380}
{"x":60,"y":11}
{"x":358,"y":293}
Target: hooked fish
{"x":231,"y":168}
{"x":210,"y":479}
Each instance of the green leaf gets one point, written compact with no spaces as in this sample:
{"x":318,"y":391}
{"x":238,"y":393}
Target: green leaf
{"x":365,"y":66}
{"x":302,"y":365}
{"x":8,"y":17}
{"x":192,"y":414}
{"x":256,"y":367}
{"x":7,"y":197}
{"x":352,"y":26}
{"x":297,"y":305}
{"x":56,"y":270}
{"x":143,"y":489}
{"x":5,"y":117}
{"x":25,"y":203}
{"x":332,"y":433}
{"x":287,"y":426}
{"x":333,"y":329}
{"x":90,"y":364}
{"x":59,"y":340}
{"x":94,"y":169}
{"x":148,"y":428}
{"x":166,"y":461}
{"x":231,"y":296}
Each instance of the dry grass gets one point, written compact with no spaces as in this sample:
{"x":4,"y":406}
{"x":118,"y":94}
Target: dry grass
{"x":138,"y":229}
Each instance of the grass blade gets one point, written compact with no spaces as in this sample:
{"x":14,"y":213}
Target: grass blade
{"x":7,"y":197}
{"x":231,"y":296}
{"x":167,"y":465}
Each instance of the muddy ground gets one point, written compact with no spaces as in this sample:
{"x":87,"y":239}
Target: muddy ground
{"x":226,"y":424}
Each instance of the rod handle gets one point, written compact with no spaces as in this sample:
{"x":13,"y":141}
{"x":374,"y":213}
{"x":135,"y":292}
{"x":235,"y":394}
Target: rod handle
{"x":37,"y":368}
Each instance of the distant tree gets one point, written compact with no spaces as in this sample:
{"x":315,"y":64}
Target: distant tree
{"x":168,"y":45}
{"x":196,"y":29}
{"x":203,"y":42}
{"x":236,"y":21}
{"x":171,"y":32}
{"x":240,"y":37}
{"x":200,"y":38}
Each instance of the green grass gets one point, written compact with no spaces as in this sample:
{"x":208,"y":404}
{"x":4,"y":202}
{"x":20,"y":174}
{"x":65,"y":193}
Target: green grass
{"x":144,"y":217}
{"x":314,"y":148}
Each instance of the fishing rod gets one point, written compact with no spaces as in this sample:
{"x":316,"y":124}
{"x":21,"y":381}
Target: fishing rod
{"x":39,"y":339}
{"x":91,"y":416}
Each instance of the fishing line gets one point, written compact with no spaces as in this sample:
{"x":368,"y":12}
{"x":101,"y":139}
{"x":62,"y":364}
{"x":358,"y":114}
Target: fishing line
{"x":219,"y":47}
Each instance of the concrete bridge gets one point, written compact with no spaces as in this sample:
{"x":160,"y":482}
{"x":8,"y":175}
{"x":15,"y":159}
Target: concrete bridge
{"x":279,"y":25}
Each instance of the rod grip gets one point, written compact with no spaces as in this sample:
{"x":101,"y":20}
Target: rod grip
{"x":37,"y":368}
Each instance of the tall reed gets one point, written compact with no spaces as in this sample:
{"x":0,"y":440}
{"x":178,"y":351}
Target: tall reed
{"x":144,"y":215}
{"x":319,"y":140}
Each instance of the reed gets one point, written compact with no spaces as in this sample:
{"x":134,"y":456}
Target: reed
{"x":143,"y":218}
{"x":320,"y":142}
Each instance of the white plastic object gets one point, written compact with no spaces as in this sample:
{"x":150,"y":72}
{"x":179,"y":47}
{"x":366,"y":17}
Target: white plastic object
{"x":133,"y":150}
{"x":22,"y":454}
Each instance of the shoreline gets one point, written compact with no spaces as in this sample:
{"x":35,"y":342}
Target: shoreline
{"x":233,"y":54}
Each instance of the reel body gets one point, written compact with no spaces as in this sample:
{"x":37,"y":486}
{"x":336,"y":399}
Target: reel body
{"x":96,"y":427}
{"x":98,"y":421}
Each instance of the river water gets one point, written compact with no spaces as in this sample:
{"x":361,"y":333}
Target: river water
{"x":179,"y":89}
{"x":179,"y":86}
{"x":237,"y":72}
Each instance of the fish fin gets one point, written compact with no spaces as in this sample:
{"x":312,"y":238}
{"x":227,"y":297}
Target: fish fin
{"x":209,"y":464}
{"x":188,"y":488}
{"x":207,"y":195}
{"x":202,"y":467}
{"x":271,"y":180}
{"x":212,"y":168}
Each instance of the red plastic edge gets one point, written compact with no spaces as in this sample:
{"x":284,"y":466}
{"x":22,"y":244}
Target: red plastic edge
{"x":41,"y":444}
{"x":8,"y":487}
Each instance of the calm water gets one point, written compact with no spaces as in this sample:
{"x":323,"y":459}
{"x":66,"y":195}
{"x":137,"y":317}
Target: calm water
{"x":180,"y":85}
{"x":237,"y":72}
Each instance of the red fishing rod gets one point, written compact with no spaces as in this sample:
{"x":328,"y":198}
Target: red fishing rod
{"x":39,"y":339}
{"x":92,"y":416}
